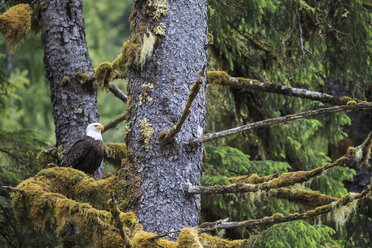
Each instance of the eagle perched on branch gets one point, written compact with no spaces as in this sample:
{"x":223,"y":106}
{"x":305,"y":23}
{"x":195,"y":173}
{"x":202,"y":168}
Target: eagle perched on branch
{"x":87,"y":153}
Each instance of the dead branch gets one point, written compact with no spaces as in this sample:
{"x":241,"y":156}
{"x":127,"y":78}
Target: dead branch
{"x":13,"y":189}
{"x":167,"y":136}
{"x":118,"y":93}
{"x":222,"y":78}
{"x":114,"y":122}
{"x":274,"y":121}
{"x":279,"y":218}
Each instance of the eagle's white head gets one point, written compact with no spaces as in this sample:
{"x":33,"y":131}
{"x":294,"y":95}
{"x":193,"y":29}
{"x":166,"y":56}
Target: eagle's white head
{"x":94,"y":130}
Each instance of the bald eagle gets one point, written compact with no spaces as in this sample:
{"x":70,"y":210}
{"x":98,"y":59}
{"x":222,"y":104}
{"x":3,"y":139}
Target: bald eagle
{"x":87,"y":153}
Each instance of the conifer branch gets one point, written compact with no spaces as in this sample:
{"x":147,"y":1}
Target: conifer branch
{"x":167,"y":136}
{"x":222,"y":78}
{"x":279,"y":218}
{"x":274,"y":121}
{"x":113,"y":123}
{"x":118,"y":93}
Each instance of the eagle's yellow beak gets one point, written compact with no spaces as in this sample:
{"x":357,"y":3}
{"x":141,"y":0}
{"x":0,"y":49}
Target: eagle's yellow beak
{"x":100,"y":127}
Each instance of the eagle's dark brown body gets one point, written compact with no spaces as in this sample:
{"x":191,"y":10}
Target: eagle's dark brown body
{"x":85,"y":155}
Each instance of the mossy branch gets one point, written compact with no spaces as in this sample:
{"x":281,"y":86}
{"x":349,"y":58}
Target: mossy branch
{"x":167,"y":136}
{"x":44,"y":196}
{"x":222,"y":78}
{"x":353,"y":157}
{"x":282,"y":119}
{"x":279,"y":218}
{"x":114,"y":122}
{"x":306,"y":197}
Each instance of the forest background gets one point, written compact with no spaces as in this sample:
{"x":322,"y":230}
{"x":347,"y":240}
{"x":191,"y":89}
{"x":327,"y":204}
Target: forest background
{"x":323,"y":46}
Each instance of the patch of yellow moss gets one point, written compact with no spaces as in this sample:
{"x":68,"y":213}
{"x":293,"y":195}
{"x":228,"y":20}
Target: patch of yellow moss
{"x":147,"y":131}
{"x":345,"y":99}
{"x":15,"y":24}
{"x":158,"y":30}
{"x":210,"y":39}
{"x":189,"y":237}
{"x":157,"y":9}
{"x":103,"y":75}
{"x":209,"y":241}
{"x":129,"y":54}
{"x":143,"y":240}
{"x":145,"y":94}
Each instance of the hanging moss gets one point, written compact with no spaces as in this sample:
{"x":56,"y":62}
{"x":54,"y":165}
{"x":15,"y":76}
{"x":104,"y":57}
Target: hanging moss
{"x":15,"y":24}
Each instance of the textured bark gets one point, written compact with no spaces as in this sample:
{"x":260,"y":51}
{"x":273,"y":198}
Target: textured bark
{"x":66,"y":53}
{"x":172,"y":69}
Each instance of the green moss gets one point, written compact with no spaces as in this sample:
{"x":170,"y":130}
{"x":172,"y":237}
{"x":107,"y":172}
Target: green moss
{"x":210,"y":39}
{"x":112,"y":240}
{"x":115,"y":153}
{"x":15,"y":24}
{"x":65,"y":80}
{"x":103,"y":75}
{"x":50,"y":157}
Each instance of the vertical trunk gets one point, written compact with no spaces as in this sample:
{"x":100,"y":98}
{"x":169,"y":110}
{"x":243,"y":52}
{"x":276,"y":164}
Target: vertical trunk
{"x":65,"y":54}
{"x":158,"y":92}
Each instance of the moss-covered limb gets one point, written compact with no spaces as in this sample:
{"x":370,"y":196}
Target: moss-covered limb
{"x":252,"y":179}
{"x":222,"y":78}
{"x":283,"y":180}
{"x":15,"y":24}
{"x":333,"y":207}
{"x":305,"y":197}
{"x":167,"y":136}
{"x":282,"y":119}
{"x":114,"y":122}
{"x":46,"y":196}
{"x":117,"y":92}
{"x":363,"y":152}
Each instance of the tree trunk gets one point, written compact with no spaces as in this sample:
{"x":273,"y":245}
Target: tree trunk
{"x":171,"y":70}
{"x":65,"y":54}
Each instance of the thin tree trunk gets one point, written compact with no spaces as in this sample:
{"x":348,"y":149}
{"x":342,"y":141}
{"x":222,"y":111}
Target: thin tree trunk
{"x":172,"y":69}
{"x":65,"y":54}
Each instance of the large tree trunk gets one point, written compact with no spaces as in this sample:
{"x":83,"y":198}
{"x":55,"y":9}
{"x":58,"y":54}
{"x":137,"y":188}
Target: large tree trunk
{"x":172,"y":69}
{"x":65,"y":54}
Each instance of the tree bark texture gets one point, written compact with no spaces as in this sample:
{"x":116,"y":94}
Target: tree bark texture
{"x":65,"y":54}
{"x":172,"y":69}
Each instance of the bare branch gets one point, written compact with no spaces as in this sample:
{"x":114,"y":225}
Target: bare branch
{"x":114,"y":122}
{"x":167,"y":136}
{"x":118,"y":93}
{"x":279,"y":218}
{"x":282,"y":119}
{"x":222,"y":78}
{"x":13,"y":189}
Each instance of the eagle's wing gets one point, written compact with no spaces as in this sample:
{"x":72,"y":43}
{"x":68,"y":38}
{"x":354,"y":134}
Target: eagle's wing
{"x":77,"y":153}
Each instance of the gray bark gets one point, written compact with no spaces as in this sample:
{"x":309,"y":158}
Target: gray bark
{"x":66,"y":53}
{"x":172,"y":69}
